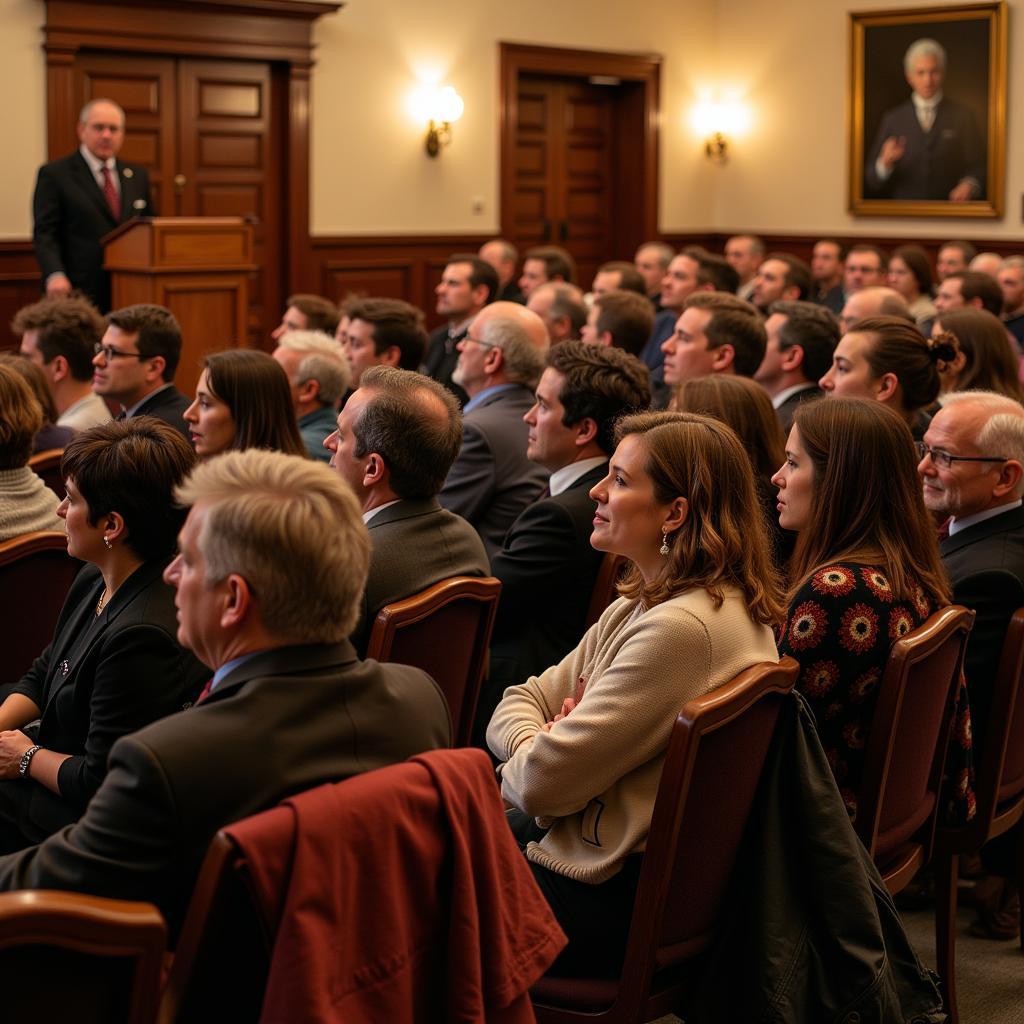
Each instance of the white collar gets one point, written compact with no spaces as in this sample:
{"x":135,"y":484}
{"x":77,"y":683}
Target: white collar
{"x":96,"y":165}
{"x":962,"y":522}
{"x":371,"y":512}
{"x":786,"y":393}
{"x":922,"y":104}
{"x":562,"y":479}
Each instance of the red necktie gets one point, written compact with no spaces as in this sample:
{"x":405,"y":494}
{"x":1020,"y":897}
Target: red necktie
{"x":205,"y":692}
{"x":110,"y":193}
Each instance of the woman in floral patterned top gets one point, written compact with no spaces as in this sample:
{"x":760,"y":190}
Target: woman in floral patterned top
{"x":866,"y":570}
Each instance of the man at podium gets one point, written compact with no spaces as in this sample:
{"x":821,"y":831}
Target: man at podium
{"x":80,"y":198}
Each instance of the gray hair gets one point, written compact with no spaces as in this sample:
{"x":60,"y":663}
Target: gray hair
{"x":1002,"y":434}
{"x":324,"y":362}
{"x":924,"y":48}
{"x":663,"y":249}
{"x":1013,"y":263}
{"x":83,"y":115}
{"x":523,"y":361}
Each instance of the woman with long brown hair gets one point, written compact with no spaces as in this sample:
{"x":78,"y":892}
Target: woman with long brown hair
{"x":986,"y":360}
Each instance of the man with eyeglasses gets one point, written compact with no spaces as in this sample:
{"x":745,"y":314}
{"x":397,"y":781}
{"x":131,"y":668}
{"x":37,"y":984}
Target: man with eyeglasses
{"x":971,"y":465}
{"x":135,"y":362}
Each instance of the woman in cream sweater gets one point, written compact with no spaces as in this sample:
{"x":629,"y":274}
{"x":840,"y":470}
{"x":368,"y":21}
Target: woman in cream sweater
{"x":583,"y":744}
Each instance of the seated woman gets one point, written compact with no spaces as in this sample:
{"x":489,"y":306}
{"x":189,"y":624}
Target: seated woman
{"x":866,"y":570}
{"x":243,"y":400}
{"x":987,"y":359}
{"x":26,"y":503}
{"x":114,"y":664}
{"x":583,"y":744}
{"x":888,"y":360}
{"x":910,"y":274}
{"x":49,"y":435}
{"x":746,"y":407}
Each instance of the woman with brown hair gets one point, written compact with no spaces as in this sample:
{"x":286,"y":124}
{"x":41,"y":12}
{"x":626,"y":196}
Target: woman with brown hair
{"x":243,"y":400}
{"x":986,"y":360}
{"x":888,"y":360}
{"x":49,"y":435}
{"x":910,"y":274}
{"x":583,"y":743}
{"x":866,"y":569}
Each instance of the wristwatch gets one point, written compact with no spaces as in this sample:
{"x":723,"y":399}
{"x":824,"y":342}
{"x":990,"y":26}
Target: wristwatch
{"x":26,"y":759}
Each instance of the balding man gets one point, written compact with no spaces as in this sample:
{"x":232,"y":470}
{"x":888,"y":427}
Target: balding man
{"x":318,"y":376}
{"x":500,"y":360}
{"x":987,"y":263}
{"x":395,"y":441}
{"x":504,"y":257}
{"x":562,"y":309}
{"x":876,"y":301}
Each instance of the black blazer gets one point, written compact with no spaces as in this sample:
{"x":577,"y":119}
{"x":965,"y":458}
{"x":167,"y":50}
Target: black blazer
{"x":283,"y":721}
{"x":985,"y":563}
{"x":168,"y":405}
{"x":786,"y":411}
{"x":101,"y":677}
{"x":71,"y":215}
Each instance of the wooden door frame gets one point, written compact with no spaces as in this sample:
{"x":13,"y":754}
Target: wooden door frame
{"x":517,"y":59}
{"x":276,"y":31}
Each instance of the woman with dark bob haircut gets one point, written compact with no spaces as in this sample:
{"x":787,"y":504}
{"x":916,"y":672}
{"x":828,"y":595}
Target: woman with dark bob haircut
{"x":866,"y":570}
{"x":583,"y":744}
{"x":243,"y":400}
{"x":114,"y":663}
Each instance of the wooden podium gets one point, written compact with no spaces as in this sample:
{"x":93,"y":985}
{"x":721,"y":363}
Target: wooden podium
{"x":198,"y":267}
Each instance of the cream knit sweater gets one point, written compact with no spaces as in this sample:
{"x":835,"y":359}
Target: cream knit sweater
{"x":594,"y":776}
{"x":26,"y":504}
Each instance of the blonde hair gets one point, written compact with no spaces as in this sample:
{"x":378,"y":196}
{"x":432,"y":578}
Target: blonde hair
{"x":293,"y":530}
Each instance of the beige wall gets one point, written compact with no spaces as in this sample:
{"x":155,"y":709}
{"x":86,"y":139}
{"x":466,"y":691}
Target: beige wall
{"x":369,"y":171}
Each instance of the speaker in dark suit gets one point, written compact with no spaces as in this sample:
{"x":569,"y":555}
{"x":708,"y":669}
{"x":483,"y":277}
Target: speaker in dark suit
{"x":82,"y":197}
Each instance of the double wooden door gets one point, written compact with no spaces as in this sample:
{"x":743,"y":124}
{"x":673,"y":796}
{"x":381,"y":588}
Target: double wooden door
{"x":209,"y":132}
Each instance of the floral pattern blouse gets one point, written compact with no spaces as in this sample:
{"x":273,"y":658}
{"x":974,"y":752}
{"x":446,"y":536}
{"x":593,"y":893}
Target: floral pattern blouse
{"x":840,"y":627}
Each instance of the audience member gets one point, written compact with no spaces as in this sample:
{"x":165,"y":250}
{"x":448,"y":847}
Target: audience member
{"x":971,"y":465}
{"x":547,"y":565}
{"x":395,"y":442}
{"x":26,"y":503}
{"x":864,"y":268}
{"x":307,"y":313}
{"x":383,"y":332}
{"x":744,"y":253}
{"x":652,"y":260}
{"x":242,"y":401}
{"x":468,"y":283}
{"x":562,"y":309}
{"x":985,"y":360}
{"x":780,"y":277}
{"x":800,"y":340}
{"x":866,"y":569}
{"x":49,"y":436}
{"x":289,"y":705}
{"x":135,"y":364}
{"x":874,"y":301}
{"x":618,"y":275}
{"x":986,"y":263}
{"x":827,"y":259}
{"x":114,"y":664}
{"x":969,"y":288}
{"x":954,"y":258}
{"x":492,"y":480}
{"x":504,"y":257}
{"x":621,"y":319}
{"x":886,"y":359}
{"x":911,"y":275}
{"x":318,"y":376}
{"x":583,"y":744}
{"x":546,"y":263}
{"x":1011,"y":283}
{"x":60,"y":336}
{"x":716,"y":332}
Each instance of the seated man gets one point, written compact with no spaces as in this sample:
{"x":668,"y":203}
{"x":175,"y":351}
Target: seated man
{"x":397,"y":437}
{"x":875,"y":300}
{"x":307,"y":313}
{"x":383,"y":332}
{"x":562,"y":309}
{"x":619,"y":318}
{"x":618,"y":275}
{"x":289,"y":705}
{"x":500,"y":361}
{"x":60,"y":336}
{"x":546,"y":566}
{"x":318,"y":376}
{"x":969,"y":288}
{"x":781,"y":277}
{"x":545,"y":263}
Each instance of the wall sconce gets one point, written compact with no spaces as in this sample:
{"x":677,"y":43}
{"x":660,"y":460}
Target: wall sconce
{"x":717,"y":123}
{"x":440,"y":108}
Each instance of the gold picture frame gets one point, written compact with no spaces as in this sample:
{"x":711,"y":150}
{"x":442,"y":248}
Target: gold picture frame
{"x":900,"y":168}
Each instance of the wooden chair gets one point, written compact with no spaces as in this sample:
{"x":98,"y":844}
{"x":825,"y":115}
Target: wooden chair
{"x":47,"y":465}
{"x":35,"y":574}
{"x":604,"y":586}
{"x":696,"y":831}
{"x":898,"y":804}
{"x":66,"y":956}
{"x":446,"y":631}
{"x":1000,"y":800}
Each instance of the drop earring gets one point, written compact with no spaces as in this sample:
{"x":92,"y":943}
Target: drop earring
{"x":663,"y":550}
{"x":106,"y":540}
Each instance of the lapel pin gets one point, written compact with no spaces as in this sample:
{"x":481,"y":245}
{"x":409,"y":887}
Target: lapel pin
{"x":139,"y":204}
{"x":128,"y":173}
{"x":65,"y":668}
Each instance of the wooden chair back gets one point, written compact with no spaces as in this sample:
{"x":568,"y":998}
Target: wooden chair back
{"x":35,"y":574}
{"x":696,"y":832}
{"x":67,"y":956}
{"x":47,"y":465}
{"x":604,"y":586}
{"x":446,"y":631}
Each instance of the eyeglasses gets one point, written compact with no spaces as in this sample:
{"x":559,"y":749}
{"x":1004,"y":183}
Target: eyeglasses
{"x":476,"y":341}
{"x":944,"y":460}
{"x":109,"y":353}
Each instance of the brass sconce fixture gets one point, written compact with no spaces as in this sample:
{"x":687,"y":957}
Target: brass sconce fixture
{"x":443,"y":107}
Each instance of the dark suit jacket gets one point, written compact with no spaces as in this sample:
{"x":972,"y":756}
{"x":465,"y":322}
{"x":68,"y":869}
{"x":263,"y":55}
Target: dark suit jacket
{"x":71,"y":216}
{"x":492,"y":480}
{"x":985,"y":563}
{"x":416,"y":543}
{"x":935,"y":161}
{"x":833,"y":300}
{"x":547,"y":570}
{"x":281,"y":722}
{"x":789,"y":406}
{"x":101,"y":677}
{"x":168,"y":405}
{"x":441,"y":358}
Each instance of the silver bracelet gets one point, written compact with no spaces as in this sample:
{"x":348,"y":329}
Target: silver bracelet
{"x":26,"y":759}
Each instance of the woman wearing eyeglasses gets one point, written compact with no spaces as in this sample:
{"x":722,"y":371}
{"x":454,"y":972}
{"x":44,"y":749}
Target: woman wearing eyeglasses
{"x":866,"y":570}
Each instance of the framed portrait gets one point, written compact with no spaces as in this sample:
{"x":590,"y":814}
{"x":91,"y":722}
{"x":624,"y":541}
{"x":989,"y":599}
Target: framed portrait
{"x":927,"y":111}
